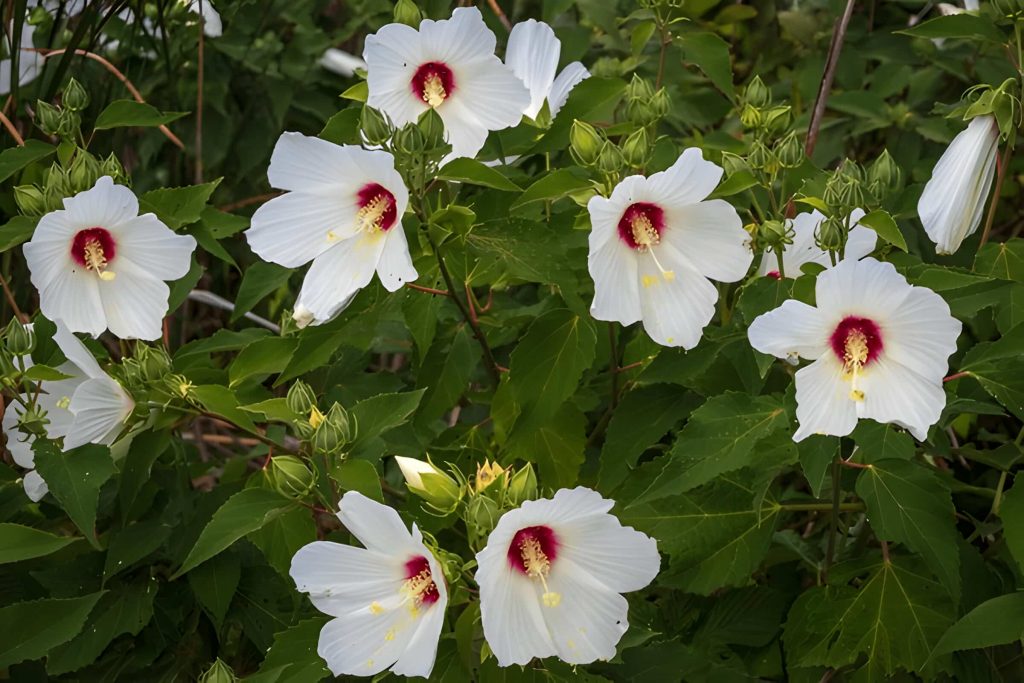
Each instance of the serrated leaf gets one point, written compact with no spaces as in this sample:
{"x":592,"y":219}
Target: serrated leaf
{"x":378,"y":414}
{"x":907,"y":503}
{"x":13,"y":159}
{"x":259,"y":280}
{"x":998,"y":621}
{"x":241,"y":514}
{"x":16,"y":231}
{"x":358,"y":475}
{"x":28,"y":630}
{"x":1011,"y":511}
{"x":465,"y":170}
{"x":883,"y":224}
{"x":556,"y":446}
{"x":1003,"y":260}
{"x":178,"y":206}
{"x":132,"y":114}
{"x":711,"y":54}
{"x":280,"y":538}
{"x":132,"y":543}
{"x":553,"y":186}
{"x":734,"y":184}
{"x":19,"y":542}
{"x":75,"y":478}
{"x":214,"y":584}
{"x":261,"y":358}
{"x":876,"y":441}
{"x":295,"y":652}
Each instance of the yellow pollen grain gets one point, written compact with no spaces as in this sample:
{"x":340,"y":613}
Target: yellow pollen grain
{"x":551,"y":599}
{"x":332,"y":236}
{"x":855,"y":354}
{"x":414,"y":588}
{"x":648,"y":280}
{"x":371,"y":216}
{"x":433,"y":90}
{"x":857,"y":395}
{"x":96,"y":260}
{"x":538,"y":566}
{"x":390,"y":635}
{"x":375,"y":608}
{"x":369,"y":663}
{"x":64,"y":402}
{"x":643,"y":230}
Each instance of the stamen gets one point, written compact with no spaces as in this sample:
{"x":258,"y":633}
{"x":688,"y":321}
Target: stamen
{"x":433,"y":90}
{"x":644,"y":233}
{"x":855,"y":354}
{"x":371,"y":216}
{"x":538,"y":566}
{"x":96,"y":260}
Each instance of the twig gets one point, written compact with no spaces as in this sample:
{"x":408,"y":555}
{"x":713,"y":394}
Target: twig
{"x":427,"y":290}
{"x":11,"y":129}
{"x":631,"y":366}
{"x":199,"y":97}
{"x":248,"y":201}
{"x":501,"y":15}
{"x":831,"y":62}
{"x":121,"y":77}
{"x":10,"y":299}
{"x":955,"y":375}
{"x":1000,"y":172}
{"x":216,"y":301}
{"x":885,"y":553}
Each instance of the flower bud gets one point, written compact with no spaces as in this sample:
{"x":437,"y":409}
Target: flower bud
{"x":406,"y":12}
{"x":757,"y":93}
{"x":750,"y":116}
{"x":585,"y":143}
{"x":290,"y":476}
{"x":487,"y":474}
{"x":334,"y":432}
{"x":774,"y":234}
{"x":610,"y":159}
{"x":760,"y":156}
{"x":375,"y":126}
{"x":641,"y":112}
{"x":84,"y":171}
{"x":432,"y":127}
{"x":523,"y":485}
{"x":734,"y":163}
{"x":153,"y":361}
{"x":409,"y":139}
{"x":789,"y":152}
{"x":47,"y":117}
{"x":660,"y":103}
{"x":430,"y":483}
{"x":70,"y":125}
{"x":885,"y":172}
{"x":777,"y":119}
{"x":19,"y":339}
{"x":30,"y":200}
{"x":637,"y":148}
{"x":301,"y":400}
{"x":53,"y":196}
{"x":639,"y":88}
{"x":75,"y":97}
{"x":178,"y":385}
{"x":219,"y":672}
{"x":482,"y":515}
{"x":830,"y":234}
{"x":112,"y":167}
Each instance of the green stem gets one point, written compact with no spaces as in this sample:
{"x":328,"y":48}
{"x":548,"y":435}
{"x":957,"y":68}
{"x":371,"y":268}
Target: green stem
{"x":613,"y":362}
{"x":830,"y":551}
{"x":778,"y":258}
{"x":812,"y":507}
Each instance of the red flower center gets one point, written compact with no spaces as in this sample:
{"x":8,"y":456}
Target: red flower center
{"x":856,"y":342}
{"x":419,"y":581}
{"x":377,"y":210}
{"x":641,"y":225}
{"x":533,"y":550}
{"x":94,"y":249}
{"x":433,"y":82}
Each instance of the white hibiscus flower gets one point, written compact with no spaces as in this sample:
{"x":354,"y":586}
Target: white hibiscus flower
{"x":532,"y":54}
{"x":880,"y":348}
{"x":343,"y":211}
{"x":30,"y":63}
{"x":98,"y":264}
{"x":552,"y":575}
{"x":953,"y":200}
{"x":859,"y":243}
{"x":656,"y":242}
{"x":387,"y":599}
{"x":341,"y":62}
{"x":449,"y":65}
{"x":87,"y":407}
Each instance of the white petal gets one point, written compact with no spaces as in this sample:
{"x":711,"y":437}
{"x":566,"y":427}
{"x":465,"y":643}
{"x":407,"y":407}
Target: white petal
{"x":308,"y":164}
{"x":421,"y":650}
{"x":76,"y":352}
{"x":823,"y":403}
{"x":463,"y":38}
{"x":105,"y":205}
{"x":895,"y":393}
{"x":532,"y":55}
{"x":35,"y":487}
{"x":49,"y":251}
{"x":490,"y":98}
{"x":865,"y":288}
{"x":153,"y":247}
{"x":100,"y":407}
{"x":342,"y":578}
{"x":590,"y":619}
{"x":510,"y":608}
{"x":340,"y":272}
{"x":395,"y":267}
{"x":55,"y":399}
{"x":74,"y":298}
{"x":688,"y":181}
{"x":613,"y":268}
{"x":861,"y":241}
{"x":953,"y":200}
{"x":134,"y":302}
{"x":572,"y":75}
{"x":377,"y":526}
{"x":921,"y":334}
{"x":213,"y":27}
{"x":792,"y":328}
{"x":20,"y":445}
{"x":675,"y":311}
{"x":618,"y":558}
{"x":392,"y":56}
{"x":363,"y":643}
{"x":713,"y":232}
{"x":296,"y":228}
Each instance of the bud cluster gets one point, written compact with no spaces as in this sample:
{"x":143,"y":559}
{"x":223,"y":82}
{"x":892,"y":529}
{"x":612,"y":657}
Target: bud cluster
{"x":65,"y":181}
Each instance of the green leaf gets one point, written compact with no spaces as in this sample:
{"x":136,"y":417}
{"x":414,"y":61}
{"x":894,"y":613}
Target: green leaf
{"x":445,"y":374}
{"x":118,"y":613}
{"x":178,"y":206}
{"x":44,"y":373}
{"x":295,"y":652}
{"x":894,"y":619}
{"x":999,"y":368}
{"x":711,"y":54}
{"x":1004,"y":260}
{"x":13,"y":159}
{"x":734,"y":184}
{"x":214,"y":584}
{"x":281,"y":538}
{"x":719,"y":437}
{"x":28,"y":630}
{"x":465,"y":170}
{"x":16,"y":231}
{"x":19,"y":542}
{"x":182,"y":286}
{"x":358,"y":92}
{"x":378,"y":414}
{"x":883,"y":224}
{"x":1011,"y":511}
{"x":715,"y":534}
{"x":557,"y":446}
{"x":132,"y":114}
{"x":242,"y":513}
{"x":876,"y":441}
{"x":259,"y":280}
{"x":75,"y":478}
{"x":999,"y":621}
{"x":907,"y":503}
{"x":816,"y":455}
{"x":555,"y":185}
{"x":957,"y":26}
{"x":342,"y":128}
{"x":133,"y":543}
{"x":358,"y":475}
{"x":261,"y":358}
{"x":223,"y":402}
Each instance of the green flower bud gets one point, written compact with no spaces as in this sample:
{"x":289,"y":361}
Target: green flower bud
{"x":660,"y":103}
{"x":523,"y":485}
{"x":290,"y":476}
{"x":639,"y":88}
{"x":84,"y":171}
{"x":334,"y":431}
{"x":70,"y":125}
{"x":301,"y":399}
{"x":641,"y":112}
{"x":830,"y":234}
{"x":482,"y":515}
{"x":636,"y":150}
{"x":750,"y":117}
{"x":761,"y":157}
{"x":30,"y":200}
{"x":585,"y":143}
{"x":219,"y":672}
{"x":432,"y":127}
{"x":777,"y":119}
{"x":406,"y":12}
{"x":112,"y":167}
{"x":19,"y":339}
{"x":375,"y":126}
{"x":154,"y":363}
{"x":53,"y":196}
{"x":610,"y":159}
{"x":32,"y":422}
{"x":47,"y":117}
{"x":833,"y":195}
{"x":774,"y":234}
{"x":733,"y":163}
{"x":886,"y":173}
{"x":410,"y":139}
{"x":757,"y":93}
{"x":429,"y":483}
{"x":75,"y":97}
{"x":789,"y":151}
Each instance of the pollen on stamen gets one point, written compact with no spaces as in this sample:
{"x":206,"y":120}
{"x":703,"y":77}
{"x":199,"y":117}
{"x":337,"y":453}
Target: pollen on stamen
{"x":856,"y":343}
{"x":433,"y":83}
{"x":533,"y":551}
{"x":377,"y":212}
{"x":94,"y":249}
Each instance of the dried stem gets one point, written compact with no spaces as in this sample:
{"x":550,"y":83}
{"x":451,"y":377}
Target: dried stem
{"x":1000,"y":172}
{"x":501,"y":15}
{"x":199,"y":98}
{"x":11,"y":129}
{"x":831,"y":62}
{"x":10,"y":299}
{"x":426,"y":290}
{"x":955,"y":375}
{"x":249,"y":201}
{"x":121,"y":77}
